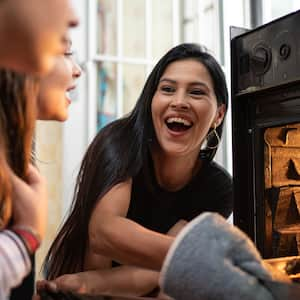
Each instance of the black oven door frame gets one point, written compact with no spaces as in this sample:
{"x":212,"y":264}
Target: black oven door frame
{"x":264,"y":94}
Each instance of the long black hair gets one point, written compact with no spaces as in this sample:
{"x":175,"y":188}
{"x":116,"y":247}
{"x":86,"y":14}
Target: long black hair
{"x":118,"y":153}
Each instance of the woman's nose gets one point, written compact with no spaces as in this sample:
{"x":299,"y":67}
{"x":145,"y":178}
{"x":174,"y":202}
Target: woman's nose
{"x":76,"y":70}
{"x":73,"y":19}
{"x":179,"y":102}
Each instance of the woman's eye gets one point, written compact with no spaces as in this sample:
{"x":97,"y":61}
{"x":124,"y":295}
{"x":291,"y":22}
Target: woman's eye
{"x":167,"y":89}
{"x":197,"y":92}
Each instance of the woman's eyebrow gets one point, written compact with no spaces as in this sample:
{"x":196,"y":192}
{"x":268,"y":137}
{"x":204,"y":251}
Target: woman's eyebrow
{"x":193,"y":83}
{"x":199,"y":83}
{"x":190,"y":83}
{"x":167,"y":80}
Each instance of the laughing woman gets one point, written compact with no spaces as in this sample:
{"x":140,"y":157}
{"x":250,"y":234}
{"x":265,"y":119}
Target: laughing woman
{"x":143,"y":177}
{"x":22,"y":100}
{"x":54,"y":93}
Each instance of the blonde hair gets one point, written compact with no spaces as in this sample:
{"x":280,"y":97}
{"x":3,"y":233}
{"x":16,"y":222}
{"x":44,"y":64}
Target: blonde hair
{"x":18,"y":94}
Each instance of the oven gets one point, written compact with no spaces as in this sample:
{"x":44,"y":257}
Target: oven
{"x":265,"y":87}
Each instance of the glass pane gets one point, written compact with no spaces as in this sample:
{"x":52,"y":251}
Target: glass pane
{"x":281,"y":8}
{"x":161,"y":27}
{"x":191,"y":21}
{"x":236,"y":13}
{"x":107,"y":29}
{"x":134,"y":28}
{"x":133,"y":82}
{"x":106,"y":93}
{"x":209,"y":18}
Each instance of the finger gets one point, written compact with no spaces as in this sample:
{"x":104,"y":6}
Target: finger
{"x":51,"y":286}
{"x":33,"y":178}
{"x":46,"y":285}
{"x":70,"y":283}
{"x":16,"y":181}
{"x":19,"y":188}
{"x":33,"y":175}
{"x":41,"y":285}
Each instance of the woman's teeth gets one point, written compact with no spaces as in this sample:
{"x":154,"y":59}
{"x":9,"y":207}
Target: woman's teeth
{"x":179,"y":120}
{"x":178,"y":124}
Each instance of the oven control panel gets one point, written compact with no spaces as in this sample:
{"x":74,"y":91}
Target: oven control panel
{"x":268,"y":56}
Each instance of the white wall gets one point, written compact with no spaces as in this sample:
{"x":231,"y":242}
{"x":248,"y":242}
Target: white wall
{"x":236,"y":13}
{"x":75,"y":129}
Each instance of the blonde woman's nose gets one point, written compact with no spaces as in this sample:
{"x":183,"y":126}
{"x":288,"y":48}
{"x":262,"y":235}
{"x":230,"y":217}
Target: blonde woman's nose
{"x":77,"y":71}
{"x":73,"y":20}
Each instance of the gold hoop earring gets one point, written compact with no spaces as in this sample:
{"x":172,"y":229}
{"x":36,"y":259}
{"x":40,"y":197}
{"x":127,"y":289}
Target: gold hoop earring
{"x":209,"y":136}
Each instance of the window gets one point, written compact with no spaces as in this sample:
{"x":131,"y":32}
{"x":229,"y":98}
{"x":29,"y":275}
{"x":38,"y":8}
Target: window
{"x":127,"y":37}
{"x":277,"y":8}
{"x":131,"y":35}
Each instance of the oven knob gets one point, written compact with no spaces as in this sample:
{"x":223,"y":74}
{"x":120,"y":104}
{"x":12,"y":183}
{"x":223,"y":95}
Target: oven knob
{"x":284,"y":51}
{"x":261,"y":59}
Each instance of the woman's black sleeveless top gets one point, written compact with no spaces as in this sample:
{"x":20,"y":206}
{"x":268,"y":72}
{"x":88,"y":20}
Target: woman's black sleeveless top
{"x":157,"y":209}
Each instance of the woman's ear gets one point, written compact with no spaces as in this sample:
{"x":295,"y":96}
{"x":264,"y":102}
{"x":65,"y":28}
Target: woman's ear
{"x":220,"y":114}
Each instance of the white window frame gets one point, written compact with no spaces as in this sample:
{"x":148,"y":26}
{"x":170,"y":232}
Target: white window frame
{"x":94,"y":57}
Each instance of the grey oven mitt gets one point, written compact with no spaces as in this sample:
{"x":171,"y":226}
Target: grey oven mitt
{"x":211,"y":259}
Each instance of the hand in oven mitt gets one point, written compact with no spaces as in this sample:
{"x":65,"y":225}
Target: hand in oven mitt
{"x":211,"y":259}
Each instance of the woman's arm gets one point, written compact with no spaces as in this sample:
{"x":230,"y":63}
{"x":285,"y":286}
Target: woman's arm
{"x":22,"y":239}
{"x":14,"y":262}
{"x":125,"y":241}
{"x":122,"y":280}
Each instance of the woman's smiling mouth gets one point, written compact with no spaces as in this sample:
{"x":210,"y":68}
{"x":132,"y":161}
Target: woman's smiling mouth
{"x":68,"y":93}
{"x":178,"y":124}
